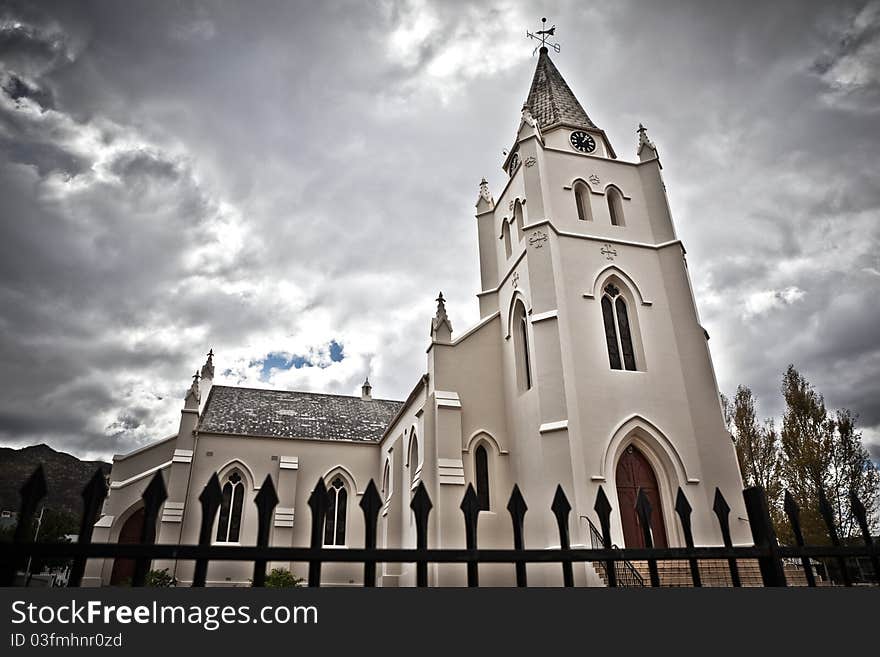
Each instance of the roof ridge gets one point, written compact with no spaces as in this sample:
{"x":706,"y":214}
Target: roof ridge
{"x":305,"y":392}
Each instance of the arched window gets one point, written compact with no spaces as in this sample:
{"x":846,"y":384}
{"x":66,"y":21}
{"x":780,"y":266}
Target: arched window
{"x":481,"y":475}
{"x":617,"y":329}
{"x":386,"y":481}
{"x":505,"y":235}
{"x":413,"y":459}
{"x":582,"y":199}
{"x":334,"y":524}
{"x":518,"y":217}
{"x":520,"y":329}
{"x":615,"y":205}
{"x":231,"y":504}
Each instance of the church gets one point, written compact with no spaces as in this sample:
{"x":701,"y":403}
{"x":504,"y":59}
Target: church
{"x":588,"y":367}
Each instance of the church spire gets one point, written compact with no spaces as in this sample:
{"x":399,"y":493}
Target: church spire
{"x":551,"y":101}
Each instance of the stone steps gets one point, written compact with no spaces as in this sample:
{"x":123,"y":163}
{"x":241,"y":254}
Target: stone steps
{"x":713,"y":573}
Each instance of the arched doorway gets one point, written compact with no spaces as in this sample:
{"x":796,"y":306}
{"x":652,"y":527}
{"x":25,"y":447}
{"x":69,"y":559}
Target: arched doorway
{"x":123,"y":569}
{"x":634,"y":472}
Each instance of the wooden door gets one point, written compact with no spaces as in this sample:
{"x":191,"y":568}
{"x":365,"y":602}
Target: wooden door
{"x":634,"y":472}
{"x":123,"y":569}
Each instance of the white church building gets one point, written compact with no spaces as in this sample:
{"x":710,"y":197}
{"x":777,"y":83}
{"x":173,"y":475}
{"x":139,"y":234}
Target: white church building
{"x":588,"y":367}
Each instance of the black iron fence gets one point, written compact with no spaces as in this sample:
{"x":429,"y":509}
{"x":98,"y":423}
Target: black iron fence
{"x":603,"y":553}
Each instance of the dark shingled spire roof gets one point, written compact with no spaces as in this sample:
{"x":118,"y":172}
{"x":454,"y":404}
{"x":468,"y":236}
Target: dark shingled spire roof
{"x":551,"y":101}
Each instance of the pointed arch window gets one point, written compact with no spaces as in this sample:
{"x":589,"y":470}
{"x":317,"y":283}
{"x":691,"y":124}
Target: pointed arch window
{"x":615,"y":205}
{"x":413,"y":459}
{"x":618,"y":335}
{"x":520,"y":330}
{"x":386,"y":481}
{"x":518,"y":218}
{"x":334,"y":523}
{"x":505,"y":235}
{"x":481,"y":475}
{"x":231,"y":505}
{"x":582,"y":200}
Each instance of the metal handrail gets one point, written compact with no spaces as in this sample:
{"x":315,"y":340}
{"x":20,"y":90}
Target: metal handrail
{"x":630,"y":575}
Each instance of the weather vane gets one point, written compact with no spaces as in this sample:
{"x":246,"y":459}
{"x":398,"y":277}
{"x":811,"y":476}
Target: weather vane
{"x":542,"y":34}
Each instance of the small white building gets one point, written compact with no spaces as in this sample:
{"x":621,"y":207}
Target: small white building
{"x":588,"y":367}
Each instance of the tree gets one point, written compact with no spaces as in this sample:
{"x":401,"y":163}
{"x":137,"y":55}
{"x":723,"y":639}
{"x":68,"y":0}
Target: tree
{"x":757,"y":448}
{"x":824,"y":452}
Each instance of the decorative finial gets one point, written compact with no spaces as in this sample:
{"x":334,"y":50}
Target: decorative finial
{"x":193,"y":394}
{"x":441,"y":327}
{"x":208,"y":367}
{"x":484,"y":191}
{"x":645,"y":142}
{"x":366,"y":389}
{"x":541,"y":35}
{"x":196,"y":377}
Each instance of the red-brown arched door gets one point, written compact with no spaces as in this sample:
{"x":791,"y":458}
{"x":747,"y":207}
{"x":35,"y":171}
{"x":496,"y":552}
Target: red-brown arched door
{"x":634,"y":472}
{"x":123,"y":569}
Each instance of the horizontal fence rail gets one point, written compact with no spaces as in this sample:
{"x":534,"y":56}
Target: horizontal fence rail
{"x":617,"y":564}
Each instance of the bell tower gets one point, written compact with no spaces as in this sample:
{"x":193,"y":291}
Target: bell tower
{"x":603,"y":351}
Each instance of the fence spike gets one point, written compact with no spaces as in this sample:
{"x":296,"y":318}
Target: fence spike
{"x":210,"y":499}
{"x":722,"y":512}
{"x":644,"y":510}
{"x":470,"y":506}
{"x":561,"y":508}
{"x":794,"y":517}
{"x":421,"y":506}
{"x":371,"y":504}
{"x":154,"y":497}
{"x":517,"y":508}
{"x":93,"y":496}
{"x":602,"y":507}
{"x":266,"y":501}
{"x":764,"y":536}
{"x":827,"y":514}
{"x":858,"y":510}
{"x":318,"y":502}
{"x":683,"y":509}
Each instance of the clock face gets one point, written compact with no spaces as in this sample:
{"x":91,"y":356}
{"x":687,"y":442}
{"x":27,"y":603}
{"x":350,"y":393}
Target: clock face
{"x":582,"y":141}
{"x":514,"y":162}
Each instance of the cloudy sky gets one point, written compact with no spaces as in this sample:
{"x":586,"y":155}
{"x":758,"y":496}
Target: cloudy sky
{"x":291,"y":184}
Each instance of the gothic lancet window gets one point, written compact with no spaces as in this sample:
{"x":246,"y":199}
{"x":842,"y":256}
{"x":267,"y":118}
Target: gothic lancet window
{"x":618,"y":335}
{"x":231,"y":504}
{"x":615,"y":206}
{"x":505,"y":235}
{"x":518,"y":217}
{"x":582,"y":199}
{"x":334,"y":523}
{"x":386,"y":481}
{"x":481,"y":472}
{"x":519,"y":329}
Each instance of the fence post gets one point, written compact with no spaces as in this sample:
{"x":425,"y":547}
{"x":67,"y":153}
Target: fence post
{"x":643,"y":508}
{"x":266,"y":500}
{"x":828,"y":517}
{"x":722,"y":512}
{"x":794,"y":517}
{"x":764,"y":536}
{"x":32,"y":492}
{"x":859,"y":511}
{"x":561,"y":508}
{"x":421,"y":506}
{"x":602,"y":507}
{"x":470,"y":506}
{"x":517,"y":508}
{"x":154,"y":496}
{"x":318,"y":502}
{"x":93,"y":497}
{"x":683,"y":509}
{"x":209,"y":498}
{"x":370,"y":504}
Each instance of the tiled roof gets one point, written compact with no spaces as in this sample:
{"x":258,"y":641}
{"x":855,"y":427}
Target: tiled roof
{"x":551,"y":101}
{"x":287,"y":414}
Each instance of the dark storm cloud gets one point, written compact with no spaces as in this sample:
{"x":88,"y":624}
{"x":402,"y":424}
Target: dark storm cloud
{"x":266,"y":178}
